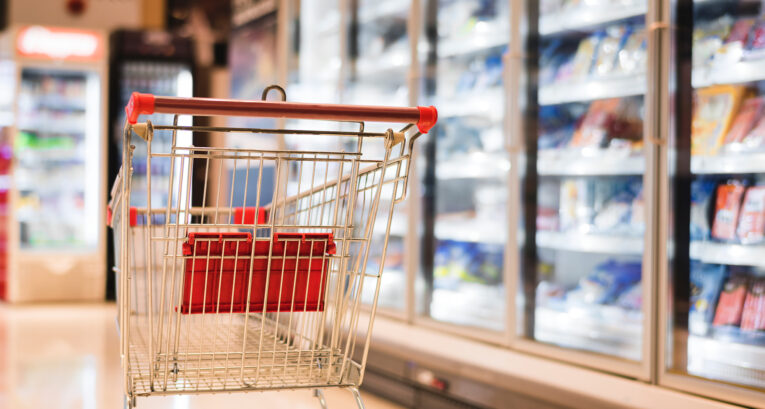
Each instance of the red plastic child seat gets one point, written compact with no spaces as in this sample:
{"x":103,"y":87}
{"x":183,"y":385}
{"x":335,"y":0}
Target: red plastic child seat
{"x":218,"y":269}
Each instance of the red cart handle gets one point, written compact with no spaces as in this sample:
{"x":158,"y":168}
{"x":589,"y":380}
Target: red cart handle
{"x":424,"y":117}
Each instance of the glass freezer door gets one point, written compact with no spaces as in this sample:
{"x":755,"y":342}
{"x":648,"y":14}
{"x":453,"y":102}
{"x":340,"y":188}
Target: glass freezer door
{"x":58,"y":150}
{"x":583,"y":199}
{"x":380,"y":58}
{"x":716,"y":163}
{"x":466,"y":166}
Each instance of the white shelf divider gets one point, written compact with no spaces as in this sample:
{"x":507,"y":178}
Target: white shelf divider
{"x":596,"y":162}
{"x":723,"y":253}
{"x":592,"y":89}
{"x":729,"y":163}
{"x":590,"y":243}
{"x":738,"y":73}
{"x":581,"y":18}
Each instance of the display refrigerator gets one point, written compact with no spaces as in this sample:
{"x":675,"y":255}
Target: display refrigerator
{"x":464,"y":169}
{"x":159,"y":63}
{"x":381,"y":59}
{"x":582,"y":179}
{"x":53,"y":241}
{"x":712,"y":336}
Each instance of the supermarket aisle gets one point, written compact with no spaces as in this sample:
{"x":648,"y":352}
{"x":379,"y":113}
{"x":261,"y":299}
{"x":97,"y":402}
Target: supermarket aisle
{"x":66,"y":356}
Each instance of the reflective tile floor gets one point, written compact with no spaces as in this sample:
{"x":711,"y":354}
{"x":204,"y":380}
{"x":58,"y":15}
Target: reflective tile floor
{"x":66,"y":357}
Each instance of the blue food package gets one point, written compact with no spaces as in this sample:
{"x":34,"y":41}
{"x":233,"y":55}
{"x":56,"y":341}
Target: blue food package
{"x":702,"y":190}
{"x":632,"y":299}
{"x":606,"y":283}
{"x":706,"y":283}
{"x":462,"y":262}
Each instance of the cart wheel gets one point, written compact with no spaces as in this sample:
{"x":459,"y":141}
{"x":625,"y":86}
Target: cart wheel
{"x":319,"y":394}
{"x":357,"y":396}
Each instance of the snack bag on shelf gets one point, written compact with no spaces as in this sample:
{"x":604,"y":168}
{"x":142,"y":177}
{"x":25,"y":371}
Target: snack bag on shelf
{"x":755,"y":47}
{"x":751,"y":224}
{"x":632,"y":299}
{"x":727,"y":210}
{"x":702,"y":191}
{"x":708,"y":37}
{"x":593,"y":130}
{"x":751,"y":110}
{"x":632,"y":57}
{"x":706,"y":283}
{"x":608,"y":50}
{"x":753,"y":316}
{"x":733,"y":49}
{"x":731,"y":303}
{"x":626,"y":129}
{"x":576,"y":204}
{"x":606,"y":283}
{"x":585,"y":56}
{"x":713,"y":114}
{"x":755,"y":139}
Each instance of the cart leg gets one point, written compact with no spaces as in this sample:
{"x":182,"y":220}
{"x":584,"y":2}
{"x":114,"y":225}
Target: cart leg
{"x":320,"y":396}
{"x":357,"y":396}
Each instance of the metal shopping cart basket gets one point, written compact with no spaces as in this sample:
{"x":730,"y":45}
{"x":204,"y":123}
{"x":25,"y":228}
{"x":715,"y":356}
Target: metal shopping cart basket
{"x":248,"y":273}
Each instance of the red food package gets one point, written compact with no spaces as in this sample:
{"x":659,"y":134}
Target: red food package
{"x":745,"y":120}
{"x":751,"y":223}
{"x":727,"y":210}
{"x":740,"y":31}
{"x":756,"y":137}
{"x":593,"y":130}
{"x":731,"y":303}
{"x":756,"y":43}
{"x":753,"y":316}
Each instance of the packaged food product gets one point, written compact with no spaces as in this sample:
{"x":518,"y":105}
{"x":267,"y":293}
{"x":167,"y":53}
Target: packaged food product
{"x":632,"y":57}
{"x":751,"y":224}
{"x":727,"y":207}
{"x":632,"y":299}
{"x":706,"y":283}
{"x":608,"y":49}
{"x":604,"y":285}
{"x":755,"y":47}
{"x":702,"y":190}
{"x":708,"y":38}
{"x":585,"y":56}
{"x":637,"y":213}
{"x":731,"y":302}
{"x":627,"y":124}
{"x":576,"y":204}
{"x":593,"y":130}
{"x":714,"y":110}
{"x":733,"y":48}
{"x":751,"y":111}
{"x":753,"y":316}
{"x":755,"y":139}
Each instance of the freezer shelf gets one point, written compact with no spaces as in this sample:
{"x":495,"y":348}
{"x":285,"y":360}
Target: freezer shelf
{"x":476,"y":103}
{"x":598,"y":328}
{"x":736,"y":73}
{"x":382,"y":9}
{"x":470,"y":304}
{"x":589,"y":90}
{"x":729,"y":163}
{"x":590,"y":243}
{"x":731,"y":254}
{"x":726,"y":361}
{"x":477,"y":165}
{"x":581,"y":18}
{"x":469,"y":44}
{"x":596,"y":162}
{"x":471,"y":230}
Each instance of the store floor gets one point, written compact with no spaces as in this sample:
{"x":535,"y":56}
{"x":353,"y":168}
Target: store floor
{"x":66,"y":357}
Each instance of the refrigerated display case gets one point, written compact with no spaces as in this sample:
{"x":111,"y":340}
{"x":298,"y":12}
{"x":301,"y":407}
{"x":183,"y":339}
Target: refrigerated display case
{"x":582,"y":186}
{"x":713,"y":282}
{"x":154,"y":62}
{"x":380,"y":61}
{"x":56,"y":246}
{"x":465,"y":166}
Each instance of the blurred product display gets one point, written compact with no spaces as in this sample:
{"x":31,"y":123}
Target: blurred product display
{"x":54,"y":249}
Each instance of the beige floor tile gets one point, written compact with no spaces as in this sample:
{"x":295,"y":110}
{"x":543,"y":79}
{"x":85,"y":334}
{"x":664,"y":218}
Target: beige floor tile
{"x":66,"y":357}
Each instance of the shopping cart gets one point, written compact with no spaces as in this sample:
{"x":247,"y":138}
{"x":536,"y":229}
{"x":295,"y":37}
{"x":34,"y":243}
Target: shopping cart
{"x":248,"y":274}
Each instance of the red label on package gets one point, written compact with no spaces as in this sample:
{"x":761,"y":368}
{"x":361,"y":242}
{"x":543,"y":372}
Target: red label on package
{"x":753,"y":316}
{"x":731,"y":303}
{"x":751,"y":224}
{"x":727,"y":210}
